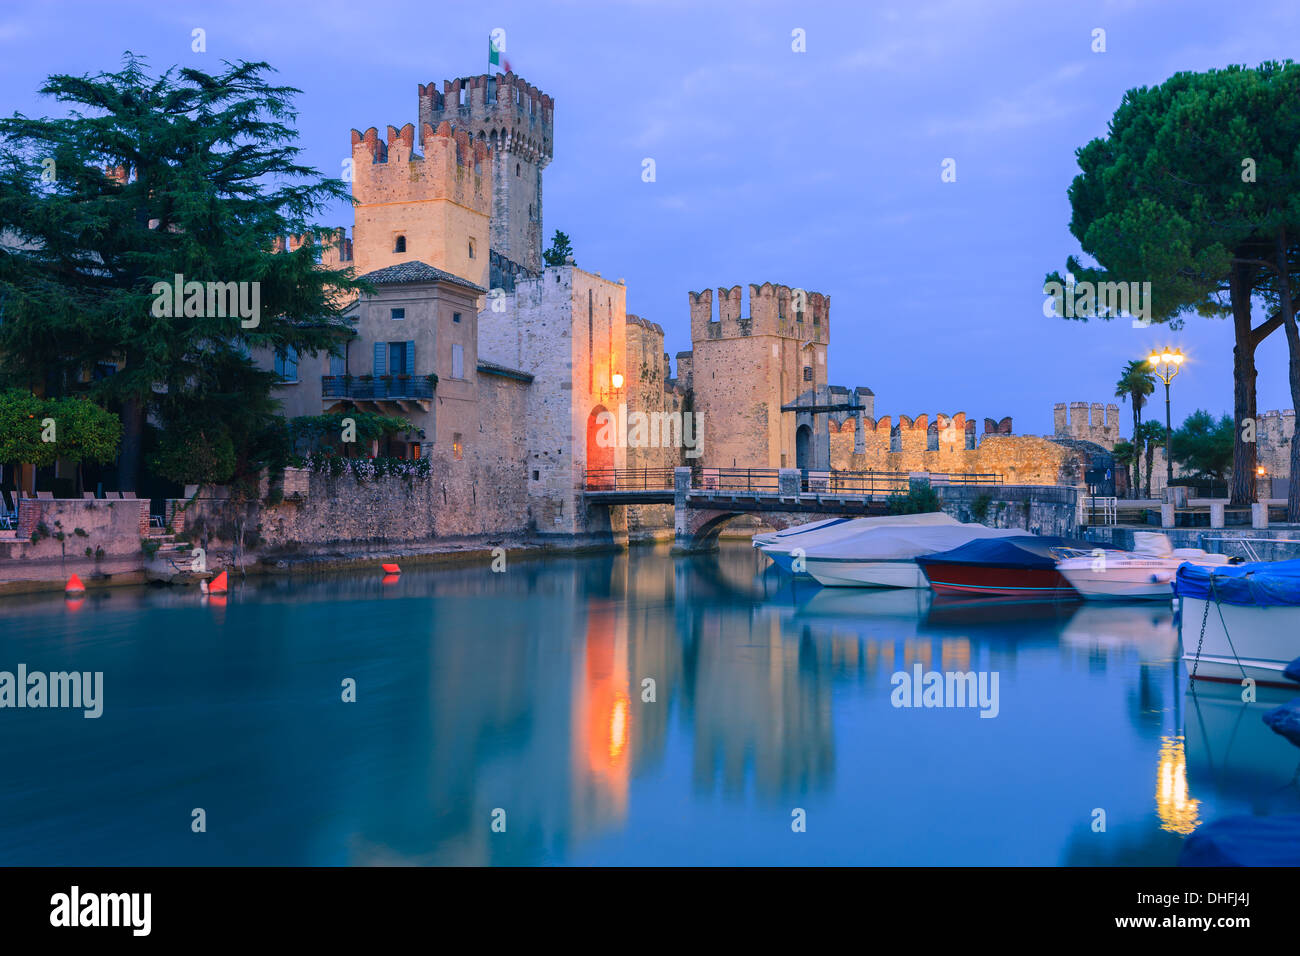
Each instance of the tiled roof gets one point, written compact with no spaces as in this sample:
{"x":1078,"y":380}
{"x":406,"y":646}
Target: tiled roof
{"x":492,"y":368}
{"x":416,"y":271}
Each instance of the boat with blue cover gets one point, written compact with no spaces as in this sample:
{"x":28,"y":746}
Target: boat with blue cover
{"x":1240,"y":621}
{"x":1022,"y":566}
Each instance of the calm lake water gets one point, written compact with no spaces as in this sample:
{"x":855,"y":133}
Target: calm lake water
{"x":523,"y":692}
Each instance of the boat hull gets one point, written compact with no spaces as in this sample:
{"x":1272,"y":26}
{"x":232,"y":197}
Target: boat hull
{"x":1131,"y":580}
{"x":1240,"y":641}
{"x":784,"y":561}
{"x":866,"y":574}
{"x":995,"y":579}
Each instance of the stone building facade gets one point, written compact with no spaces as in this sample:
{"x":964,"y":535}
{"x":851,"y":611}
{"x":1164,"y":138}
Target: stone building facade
{"x":744,"y":367}
{"x":434,"y":208}
{"x":1274,"y":433}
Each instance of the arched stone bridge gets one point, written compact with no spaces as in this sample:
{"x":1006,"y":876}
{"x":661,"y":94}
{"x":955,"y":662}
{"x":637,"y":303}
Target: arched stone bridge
{"x":704,"y":500}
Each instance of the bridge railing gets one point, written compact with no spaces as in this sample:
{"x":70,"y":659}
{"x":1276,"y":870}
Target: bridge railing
{"x":735,"y":479}
{"x":766,"y":480}
{"x":967,"y":478}
{"x":628,"y":479}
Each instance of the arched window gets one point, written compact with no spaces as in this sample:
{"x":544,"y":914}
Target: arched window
{"x":932,"y":437}
{"x":516,"y":169}
{"x":399,"y":244}
{"x":896,"y":438}
{"x":807,"y":373}
{"x":471,"y":248}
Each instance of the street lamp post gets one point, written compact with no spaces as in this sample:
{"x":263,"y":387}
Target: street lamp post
{"x":1165,"y":365}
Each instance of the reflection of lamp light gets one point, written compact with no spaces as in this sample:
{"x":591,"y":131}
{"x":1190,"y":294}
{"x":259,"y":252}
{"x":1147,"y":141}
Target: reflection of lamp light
{"x":618,"y":731}
{"x":1177,"y":810}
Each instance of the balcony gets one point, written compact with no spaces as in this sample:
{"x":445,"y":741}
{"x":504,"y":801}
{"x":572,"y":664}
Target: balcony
{"x":406,"y":392}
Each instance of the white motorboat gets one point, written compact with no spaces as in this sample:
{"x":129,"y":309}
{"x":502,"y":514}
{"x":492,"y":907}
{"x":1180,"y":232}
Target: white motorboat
{"x":1240,"y":621}
{"x":885,"y":557}
{"x":771,"y":537}
{"x":1145,"y":573}
{"x":794,"y":543}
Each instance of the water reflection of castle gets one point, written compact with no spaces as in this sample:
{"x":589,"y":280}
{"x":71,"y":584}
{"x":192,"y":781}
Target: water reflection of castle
{"x":542,"y":714}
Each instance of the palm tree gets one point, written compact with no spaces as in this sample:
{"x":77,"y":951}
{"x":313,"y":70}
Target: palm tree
{"x":1152,"y":436}
{"x":1125,"y":454}
{"x":1136,"y":382}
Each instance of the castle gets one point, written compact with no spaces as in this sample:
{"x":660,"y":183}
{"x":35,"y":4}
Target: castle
{"x":507,"y":367}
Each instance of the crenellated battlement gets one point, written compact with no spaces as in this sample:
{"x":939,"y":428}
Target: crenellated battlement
{"x":958,"y":422}
{"x":1096,"y":423}
{"x":916,"y":434}
{"x":503,"y":110}
{"x":453,"y":167}
{"x":516,"y":121}
{"x":779,"y":310}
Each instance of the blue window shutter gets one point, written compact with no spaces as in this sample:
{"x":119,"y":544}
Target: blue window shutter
{"x":379,"y":358}
{"x":291,"y":364}
{"x":410,"y":357}
{"x":337,"y":365}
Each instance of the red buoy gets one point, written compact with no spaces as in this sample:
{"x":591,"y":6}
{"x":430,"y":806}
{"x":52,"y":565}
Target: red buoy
{"x":74,"y":586}
{"x":218,"y":585}
{"x":391,"y":569}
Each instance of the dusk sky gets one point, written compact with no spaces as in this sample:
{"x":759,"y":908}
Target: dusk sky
{"x":818,"y":169}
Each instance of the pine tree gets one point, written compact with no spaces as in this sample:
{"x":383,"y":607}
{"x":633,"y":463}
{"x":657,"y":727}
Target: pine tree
{"x":144,"y":179}
{"x":561,"y":249}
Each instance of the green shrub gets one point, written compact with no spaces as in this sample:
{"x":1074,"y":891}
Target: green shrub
{"x":195,"y":458}
{"x":919,"y":500}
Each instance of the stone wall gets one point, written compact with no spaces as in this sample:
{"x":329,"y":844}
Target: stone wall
{"x":650,"y":390}
{"x":115,"y":526}
{"x":1273,"y":434}
{"x":1016,"y":459}
{"x":1034,"y":508}
{"x":343,"y":512}
{"x":1096,"y":423}
{"x":567,"y":328}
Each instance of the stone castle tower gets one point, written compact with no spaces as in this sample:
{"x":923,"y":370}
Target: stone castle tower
{"x":1096,"y":423}
{"x":435,"y":207}
{"x":743,"y":369}
{"x":516,"y":120}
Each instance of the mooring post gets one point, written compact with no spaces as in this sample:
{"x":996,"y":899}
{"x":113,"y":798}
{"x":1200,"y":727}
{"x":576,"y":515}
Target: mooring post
{"x":788,"y":482}
{"x":681,"y":528}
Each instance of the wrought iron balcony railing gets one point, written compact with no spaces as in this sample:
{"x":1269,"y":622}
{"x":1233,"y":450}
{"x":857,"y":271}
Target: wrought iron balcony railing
{"x":376,"y":389}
